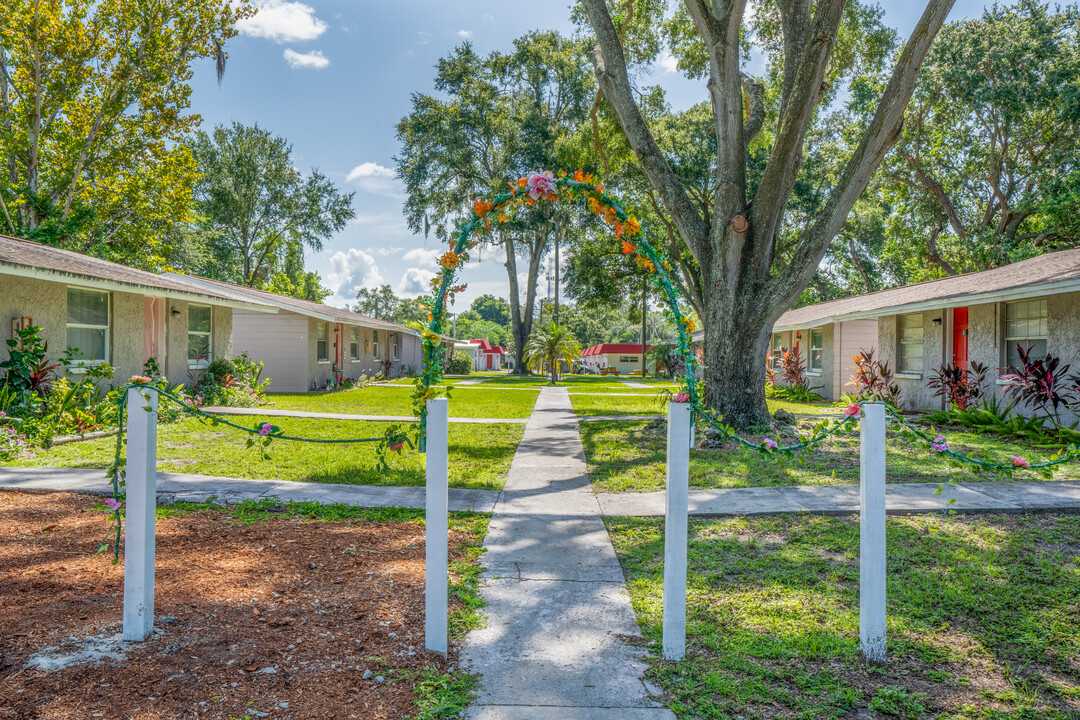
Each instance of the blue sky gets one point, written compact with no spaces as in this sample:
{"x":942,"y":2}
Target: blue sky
{"x":334,"y":77}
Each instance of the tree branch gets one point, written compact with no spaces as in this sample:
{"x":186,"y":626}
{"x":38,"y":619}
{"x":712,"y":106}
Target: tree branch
{"x":610,"y":65}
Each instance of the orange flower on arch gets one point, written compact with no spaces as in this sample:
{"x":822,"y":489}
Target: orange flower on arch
{"x":482,"y":208}
{"x":627,"y":247}
{"x":450,"y":260}
{"x":633,"y":227}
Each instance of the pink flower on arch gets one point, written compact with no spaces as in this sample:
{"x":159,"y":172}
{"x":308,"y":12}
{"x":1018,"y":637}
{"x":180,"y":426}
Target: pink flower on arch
{"x":769,"y":444}
{"x":265,"y":429}
{"x":1020,"y":462}
{"x":542,"y":186}
{"x":853,"y":409}
{"x":397,"y":447}
{"x":113,"y":503}
{"x":940,"y":444}
{"x":682,"y":398}
{"x":140,"y":379}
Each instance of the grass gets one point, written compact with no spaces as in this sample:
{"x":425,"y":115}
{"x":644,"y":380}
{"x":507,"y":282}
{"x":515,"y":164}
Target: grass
{"x":580,"y":383}
{"x":480,"y":455}
{"x":983,"y":618}
{"x":629,"y":456}
{"x":397,"y":400}
{"x":438,"y":696}
{"x":623,"y":404}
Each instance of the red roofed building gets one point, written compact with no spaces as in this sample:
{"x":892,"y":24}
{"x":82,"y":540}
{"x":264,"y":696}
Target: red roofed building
{"x":624,"y":357}
{"x":489,"y":357}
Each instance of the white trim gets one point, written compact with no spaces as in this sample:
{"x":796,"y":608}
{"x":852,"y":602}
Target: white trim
{"x":117,"y":286}
{"x":1010,"y":295}
{"x":908,"y":376}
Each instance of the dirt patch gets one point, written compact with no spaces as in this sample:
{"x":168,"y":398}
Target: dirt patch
{"x":279,"y":619}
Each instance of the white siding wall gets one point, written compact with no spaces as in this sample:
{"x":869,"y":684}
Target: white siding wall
{"x":280,"y":341}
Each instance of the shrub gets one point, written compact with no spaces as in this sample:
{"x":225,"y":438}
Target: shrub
{"x":960,"y":388}
{"x":460,"y":363}
{"x":27,"y":372}
{"x":1038,"y":382}
{"x":873,"y":380}
{"x":231,"y":382}
{"x":792,"y":368}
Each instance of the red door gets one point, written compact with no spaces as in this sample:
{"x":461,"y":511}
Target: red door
{"x":488,"y":362}
{"x":960,"y":337}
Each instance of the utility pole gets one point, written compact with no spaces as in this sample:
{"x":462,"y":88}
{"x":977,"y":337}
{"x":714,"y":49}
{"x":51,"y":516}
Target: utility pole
{"x":644,"y":309}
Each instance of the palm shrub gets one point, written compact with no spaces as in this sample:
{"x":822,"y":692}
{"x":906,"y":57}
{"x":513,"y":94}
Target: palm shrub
{"x":549,"y":347}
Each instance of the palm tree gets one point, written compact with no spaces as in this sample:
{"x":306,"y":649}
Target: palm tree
{"x":550,"y":346}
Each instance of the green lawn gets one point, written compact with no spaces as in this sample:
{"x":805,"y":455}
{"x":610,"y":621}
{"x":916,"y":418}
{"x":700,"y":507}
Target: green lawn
{"x":629,"y":456}
{"x":576,"y":383}
{"x":398,"y":401}
{"x":480,"y":455}
{"x":624,"y":404}
{"x":983,"y":618}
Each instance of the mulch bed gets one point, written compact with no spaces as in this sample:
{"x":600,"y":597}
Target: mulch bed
{"x":278,"y":619}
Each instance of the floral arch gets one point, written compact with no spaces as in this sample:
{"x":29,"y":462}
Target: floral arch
{"x":540,"y":187}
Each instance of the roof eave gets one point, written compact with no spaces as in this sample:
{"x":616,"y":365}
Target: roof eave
{"x":37,"y":273}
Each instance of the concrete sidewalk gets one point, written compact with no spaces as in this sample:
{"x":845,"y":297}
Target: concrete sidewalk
{"x":557,"y":609}
{"x":991,"y":496}
{"x":173,"y":487}
{"x":273,"y":412}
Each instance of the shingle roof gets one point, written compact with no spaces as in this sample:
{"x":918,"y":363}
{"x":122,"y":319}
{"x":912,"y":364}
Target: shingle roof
{"x":18,"y":256}
{"x":304,"y":307}
{"x":1053,"y":272}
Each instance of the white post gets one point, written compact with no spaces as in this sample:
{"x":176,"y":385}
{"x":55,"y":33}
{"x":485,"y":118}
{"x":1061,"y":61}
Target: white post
{"x":675,"y":531}
{"x":872,"y":533}
{"x":141,"y":504}
{"x":436,"y":556}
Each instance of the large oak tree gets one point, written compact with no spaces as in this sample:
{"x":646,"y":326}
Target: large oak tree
{"x":754,"y":263}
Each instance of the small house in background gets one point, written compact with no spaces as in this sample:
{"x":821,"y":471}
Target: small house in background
{"x":488,"y":356}
{"x":470,"y":349}
{"x":622,"y":357}
{"x":308,"y":344}
{"x":116,"y":314}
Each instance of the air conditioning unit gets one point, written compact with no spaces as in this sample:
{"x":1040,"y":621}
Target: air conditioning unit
{"x":20,"y":323}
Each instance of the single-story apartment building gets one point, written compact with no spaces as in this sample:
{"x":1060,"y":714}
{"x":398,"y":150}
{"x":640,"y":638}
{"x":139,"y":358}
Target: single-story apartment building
{"x":116,"y":314}
{"x":307,"y":344}
{"x":976,"y":317}
{"x":624,"y":357}
{"x":488,"y":356}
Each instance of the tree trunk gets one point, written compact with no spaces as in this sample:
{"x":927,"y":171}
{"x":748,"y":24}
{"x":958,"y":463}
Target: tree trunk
{"x":733,"y":382}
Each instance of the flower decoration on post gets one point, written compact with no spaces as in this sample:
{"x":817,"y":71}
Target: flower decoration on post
{"x":939,"y":445}
{"x":853,"y":409}
{"x":769,"y":444}
{"x":140,"y":380}
{"x":1019,"y":462}
{"x":681,"y":398}
{"x":113,"y":504}
{"x":542,"y":186}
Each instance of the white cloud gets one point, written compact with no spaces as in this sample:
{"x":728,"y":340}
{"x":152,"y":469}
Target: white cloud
{"x":667,"y":62}
{"x":385,"y":251}
{"x":369,"y":169}
{"x":314,"y":59}
{"x":283,"y":21}
{"x":423,"y":37}
{"x":422,"y":257}
{"x":351,"y":271}
{"x":465,"y":34}
{"x":376,"y":179}
{"x":415,"y":281}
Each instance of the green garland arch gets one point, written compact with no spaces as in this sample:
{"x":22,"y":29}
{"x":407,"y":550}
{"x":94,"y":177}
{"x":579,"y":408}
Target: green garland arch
{"x":535,"y":188}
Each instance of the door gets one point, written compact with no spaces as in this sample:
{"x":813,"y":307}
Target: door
{"x":488,"y":356}
{"x":960,"y":337}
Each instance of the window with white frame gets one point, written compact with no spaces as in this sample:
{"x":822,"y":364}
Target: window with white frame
{"x":322,"y":343}
{"x":88,"y":323}
{"x":1025,"y":325}
{"x":395,"y":345}
{"x":817,"y":350}
{"x":354,"y":344}
{"x":375,"y":344}
{"x":629,"y":359}
{"x":776,"y":349}
{"x":910,"y":352}
{"x":200,"y":335}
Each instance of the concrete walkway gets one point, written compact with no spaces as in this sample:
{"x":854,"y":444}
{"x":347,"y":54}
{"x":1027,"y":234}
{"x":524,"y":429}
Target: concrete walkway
{"x":901,"y":499}
{"x":557,"y":608}
{"x":173,"y":487}
{"x":633,"y":384}
{"x":273,"y":412}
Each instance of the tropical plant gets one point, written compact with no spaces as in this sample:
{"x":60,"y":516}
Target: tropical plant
{"x":1039,"y":382}
{"x":873,"y":380}
{"x":997,"y":418}
{"x":663,"y":355}
{"x":27,"y":371}
{"x":958,"y":386}
{"x":792,"y":368}
{"x":550,"y":347}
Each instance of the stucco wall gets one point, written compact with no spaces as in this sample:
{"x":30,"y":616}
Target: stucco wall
{"x":126,"y":335}
{"x":45,"y":302}
{"x":176,"y":355}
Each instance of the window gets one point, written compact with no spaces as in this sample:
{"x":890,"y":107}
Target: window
{"x":322,"y":345}
{"x":817,"y":345}
{"x":395,"y":343}
{"x":776,"y":350}
{"x":354,"y":344}
{"x":199,"y":335}
{"x":375,"y":344}
{"x":629,"y":359}
{"x":911,"y":343}
{"x":1025,"y":325}
{"x":88,"y":323}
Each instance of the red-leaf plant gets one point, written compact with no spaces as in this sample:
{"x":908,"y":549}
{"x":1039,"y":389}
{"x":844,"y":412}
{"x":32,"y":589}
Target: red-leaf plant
{"x":960,"y":388}
{"x":1039,"y":382}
